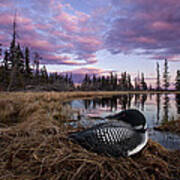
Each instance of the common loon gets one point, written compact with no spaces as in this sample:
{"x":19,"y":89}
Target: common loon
{"x":125,"y":135}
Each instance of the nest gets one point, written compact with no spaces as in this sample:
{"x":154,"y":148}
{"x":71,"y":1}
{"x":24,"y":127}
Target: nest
{"x":46,"y":153}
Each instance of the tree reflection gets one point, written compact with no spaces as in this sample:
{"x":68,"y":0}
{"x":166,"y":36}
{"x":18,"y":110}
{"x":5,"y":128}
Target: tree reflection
{"x":178,"y":103}
{"x":143,"y":100}
{"x":112,"y":103}
{"x":166,"y":108}
{"x":87,"y":103}
{"x":137,"y":100}
{"x":158,"y":102}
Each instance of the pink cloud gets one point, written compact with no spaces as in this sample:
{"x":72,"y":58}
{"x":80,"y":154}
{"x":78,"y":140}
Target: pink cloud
{"x":159,"y":25}
{"x":145,"y":40}
{"x":89,"y":70}
{"x":147,"y":25}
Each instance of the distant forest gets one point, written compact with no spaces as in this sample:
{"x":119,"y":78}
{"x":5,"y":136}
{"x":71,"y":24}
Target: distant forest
{"x":21,"y":72}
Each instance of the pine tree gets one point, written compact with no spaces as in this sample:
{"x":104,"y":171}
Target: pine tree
{"x":158,"y":84}
{"x":177,"y":84}
{"x":27,"y":62}
{"x":6,"y":60}
{"x":143,"y":83}
{"x":166,"y":75}
{"x":44,"y":74}
{"x":136,"y":84}
{"x":94,"y":79}
{"x":129,"y":84}
{"x":20,"y":59}
{"x":123,"y":81}
{"x":16,"y":62}
{"x":13,"y":44}
{"x":36,"y":63}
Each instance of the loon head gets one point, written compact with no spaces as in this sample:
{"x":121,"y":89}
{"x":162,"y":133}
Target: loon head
{"x":133,"y":117}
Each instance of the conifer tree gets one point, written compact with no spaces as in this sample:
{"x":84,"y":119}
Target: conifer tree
{"x":27,"y":62}
{"x":20,"y":59}
{"x":94,"y":79}
{"x":166,"y":75}
{"x":158,"y":84}
{"x":13,"y":44}
{"x":44,"y":74}
{"x":36,"y":63}
{"x":143,"y":83}
{"x":6,"y":60}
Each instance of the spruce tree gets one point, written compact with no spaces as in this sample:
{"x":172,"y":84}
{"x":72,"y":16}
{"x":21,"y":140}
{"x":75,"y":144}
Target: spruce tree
{"x":143,"y":83}
{"x":20,"y":59}
{"x":166,"y":75}
{"x":158,"y":85}
{"x":6,"y":60}
{"x":27,"y":62}
{"x":13,"y":44}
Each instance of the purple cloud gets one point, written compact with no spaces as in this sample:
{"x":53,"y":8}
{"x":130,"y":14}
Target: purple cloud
{"x":151,"y":26}
{"x":61,"y":34}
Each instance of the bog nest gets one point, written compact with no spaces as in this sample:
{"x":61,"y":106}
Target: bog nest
{"x":42,"y":151}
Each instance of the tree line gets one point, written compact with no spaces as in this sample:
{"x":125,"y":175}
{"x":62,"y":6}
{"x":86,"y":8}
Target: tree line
{"x":166,"y":78}
{"x":17,"y":73}
{"x":113,"y":83}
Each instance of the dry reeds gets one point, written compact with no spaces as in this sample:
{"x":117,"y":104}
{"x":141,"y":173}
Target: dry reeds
{"x":171,"y":126}
{"x":36,"y":146}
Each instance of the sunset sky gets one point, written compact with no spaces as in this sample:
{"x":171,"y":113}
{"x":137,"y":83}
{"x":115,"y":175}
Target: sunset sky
{"x":97,"y":36}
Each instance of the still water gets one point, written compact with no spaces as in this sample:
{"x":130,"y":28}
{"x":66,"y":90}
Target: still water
{"x":157,"y":108}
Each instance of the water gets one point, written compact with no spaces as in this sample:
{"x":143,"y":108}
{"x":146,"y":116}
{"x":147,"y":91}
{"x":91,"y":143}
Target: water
{"x":157,"y":108}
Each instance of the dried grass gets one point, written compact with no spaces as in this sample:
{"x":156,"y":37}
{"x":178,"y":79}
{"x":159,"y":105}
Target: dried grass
{"x":36,"y":146}
{"x":171,"y":126}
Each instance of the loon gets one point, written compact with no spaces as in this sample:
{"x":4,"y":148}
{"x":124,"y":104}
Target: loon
{"x":125,"y":135}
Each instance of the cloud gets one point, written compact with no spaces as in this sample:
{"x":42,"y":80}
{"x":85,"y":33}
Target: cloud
{"x":63,"y":33}
{"x":147,"y":25}
{"x":60,"y":29}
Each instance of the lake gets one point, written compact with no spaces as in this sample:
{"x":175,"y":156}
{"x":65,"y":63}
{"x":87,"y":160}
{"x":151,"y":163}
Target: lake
{"x":157,"y":108}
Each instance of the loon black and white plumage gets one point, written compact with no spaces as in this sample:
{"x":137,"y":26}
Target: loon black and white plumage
{"x":125,"y":135}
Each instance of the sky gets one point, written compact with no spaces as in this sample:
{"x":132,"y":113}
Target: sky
{"x":97,"y":36}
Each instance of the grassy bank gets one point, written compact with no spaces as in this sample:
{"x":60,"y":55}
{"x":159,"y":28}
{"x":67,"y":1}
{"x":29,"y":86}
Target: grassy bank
{"x":171,"y":126}
{"x":34,"y":144}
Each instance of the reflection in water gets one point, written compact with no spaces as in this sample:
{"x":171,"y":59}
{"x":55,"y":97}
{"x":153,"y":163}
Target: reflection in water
{"x":158,"y":102}
{"x":157,"y":108}
{"x":113,"y":102}
{"x":143,"y":100}
{"x":139,"y":102}
{"x":178,"y":103}
{"x":166,"y":108}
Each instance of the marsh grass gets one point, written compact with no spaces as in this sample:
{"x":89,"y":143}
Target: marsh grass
{"x":35,"y":144}
{"x":171,"y":126}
